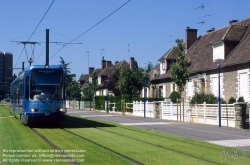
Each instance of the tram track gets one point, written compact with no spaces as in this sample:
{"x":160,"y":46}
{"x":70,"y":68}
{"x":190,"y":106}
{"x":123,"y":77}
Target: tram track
{"x":101,"y":146}
{"x":72,"y":161}
{"x":178,"y":140}
{"x":85,"y":139}
{"x":146,"y":142}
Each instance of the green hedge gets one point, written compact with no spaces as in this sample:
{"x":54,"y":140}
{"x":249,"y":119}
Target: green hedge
{"x":100,"y":101}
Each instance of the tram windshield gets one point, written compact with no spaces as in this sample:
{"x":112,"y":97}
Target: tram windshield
{"x":46,"y":84}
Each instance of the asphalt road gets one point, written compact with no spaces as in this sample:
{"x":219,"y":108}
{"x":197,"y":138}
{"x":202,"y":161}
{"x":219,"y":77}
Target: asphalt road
{"x":225,"y":136}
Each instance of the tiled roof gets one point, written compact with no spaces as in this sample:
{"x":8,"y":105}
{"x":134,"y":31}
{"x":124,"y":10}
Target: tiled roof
{"x":106,"y":71}
{"x":241,"y":53}
{"x":200,"y":54}
{"x":84,"y":77}
{"x":111,"y":70}
{"x":234,"y":33}
{"x":170,"y":54}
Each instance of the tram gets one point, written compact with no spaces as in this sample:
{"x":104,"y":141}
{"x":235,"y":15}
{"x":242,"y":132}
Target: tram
{"x":38,"y":94}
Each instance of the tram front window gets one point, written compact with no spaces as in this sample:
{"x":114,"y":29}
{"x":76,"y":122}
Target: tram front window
{"x":46,"y":85}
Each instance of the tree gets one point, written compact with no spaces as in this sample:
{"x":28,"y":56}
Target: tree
{"x":65,"y":66}
{"x":71,"y":84}
{"x":93,"y":86}
{"x":179,"y":69}
{"x":131,"y":82}
{"x":73,"y":88}
{"x":148,"y":69}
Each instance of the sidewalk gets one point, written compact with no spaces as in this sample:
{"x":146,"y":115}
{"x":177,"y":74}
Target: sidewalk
{"x":225,"y":136}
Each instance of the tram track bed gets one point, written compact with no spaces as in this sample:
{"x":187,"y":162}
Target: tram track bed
{"x":88,"y":141}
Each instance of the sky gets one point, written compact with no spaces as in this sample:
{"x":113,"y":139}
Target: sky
{"x":113,"y":29}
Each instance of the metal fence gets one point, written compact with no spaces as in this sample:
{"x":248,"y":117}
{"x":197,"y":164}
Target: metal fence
{"x":73,"y":104}
{"x":199,"y":113}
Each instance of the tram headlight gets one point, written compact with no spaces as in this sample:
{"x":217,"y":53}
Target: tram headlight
{"x":60,"y":110}
{"x":33,"y":110}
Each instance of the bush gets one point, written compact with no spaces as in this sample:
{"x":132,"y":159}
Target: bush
{"x":199,"y":98}
{"x":174,"y":95}
{"x":231,"y":100}
{"x":241,"y":99}
{"x":211,"y":99}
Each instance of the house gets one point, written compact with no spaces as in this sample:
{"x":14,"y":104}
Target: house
{"x":105,"y":76}
{"x":227,"y":49}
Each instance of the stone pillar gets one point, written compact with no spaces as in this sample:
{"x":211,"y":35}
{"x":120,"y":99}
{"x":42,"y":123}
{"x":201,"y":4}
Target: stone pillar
{"x":157,"y":110}
{"x":241,"y":116}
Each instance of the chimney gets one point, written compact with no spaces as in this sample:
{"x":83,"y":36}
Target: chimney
{"x":191,"y":37}
{"x":103,"y":63}
{"x":132,"y":60}
{"x":233,"y":21}
{"x":91,"y":70}
{"x":108,"y":63}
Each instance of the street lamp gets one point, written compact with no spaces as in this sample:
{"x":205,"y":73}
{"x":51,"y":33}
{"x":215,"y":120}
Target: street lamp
{"x":79,"y":95}
{"x":219,"y":100}
{"x":107,"y":96}
{"x":144,"y":100}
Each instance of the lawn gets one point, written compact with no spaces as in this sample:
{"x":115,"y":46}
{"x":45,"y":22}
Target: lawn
{"x":98,"y":142}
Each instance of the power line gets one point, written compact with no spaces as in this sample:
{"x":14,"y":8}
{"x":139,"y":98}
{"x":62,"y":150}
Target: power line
{"x":63,"y":35}
{"x":92,"y":27}
{"x":14,"y":40}
{"x":36,"y":28}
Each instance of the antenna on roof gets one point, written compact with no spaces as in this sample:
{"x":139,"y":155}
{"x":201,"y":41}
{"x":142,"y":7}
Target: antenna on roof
{"x":203,"y":15}
{"x":102,"y":52}
{"x":88,"y":57}
{"x":128,"y":52}
{"x":170,"y":40}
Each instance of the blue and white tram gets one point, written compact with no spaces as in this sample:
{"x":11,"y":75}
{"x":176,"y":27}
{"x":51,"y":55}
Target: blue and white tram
{"x":28,"y":100}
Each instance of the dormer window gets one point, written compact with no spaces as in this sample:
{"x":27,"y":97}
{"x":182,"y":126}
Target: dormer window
{"x":218,"y":51}
{"x":90,"y":79}
{"x":163,"y":66}
{"x":99,"y":80}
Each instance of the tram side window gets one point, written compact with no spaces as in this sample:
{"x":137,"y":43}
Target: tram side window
{"x":21,"y":89}
{"x":27,"y":88}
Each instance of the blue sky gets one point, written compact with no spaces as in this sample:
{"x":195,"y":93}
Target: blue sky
{"x":150,"y":27}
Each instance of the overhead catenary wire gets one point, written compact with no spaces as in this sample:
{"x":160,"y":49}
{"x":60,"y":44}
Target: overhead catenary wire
{"x":91,"y":27}
{"x":62,"y":35}
{"x":35,"y":29}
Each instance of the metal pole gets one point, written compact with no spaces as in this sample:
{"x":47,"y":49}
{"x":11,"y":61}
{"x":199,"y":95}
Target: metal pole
{"x":79,"y":98}
{"x":90,"y":99}
{"x":219,"y":107}
{"x":107,"y":100}
{"x":47,"y":47}
{"x":144,"y":96}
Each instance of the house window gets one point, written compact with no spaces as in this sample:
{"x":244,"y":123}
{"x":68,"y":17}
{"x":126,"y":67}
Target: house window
{"x":218,"y":51}
{"x":215,"y":86}
{"x":99,"y":80}
{"x":202,"y":81}
{"x":172,"y":87}
{"x":163,"y":66}
{"x":190,"y":89}
{"x":160,"y":91}
{"x":90,"y":79}
{"x":243,"y":88}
